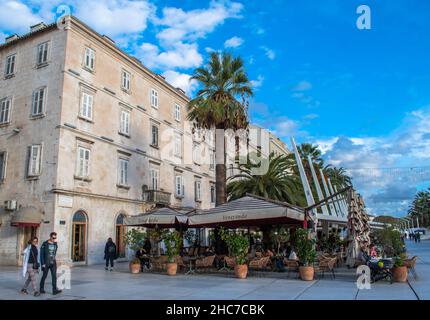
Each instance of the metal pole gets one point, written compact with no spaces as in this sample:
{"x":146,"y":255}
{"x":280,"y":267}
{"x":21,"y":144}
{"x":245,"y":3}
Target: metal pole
{"x":327,"y":192}
{"x":317,"y":185}
{"x":418,"y":224}
{"x":336,"y":201}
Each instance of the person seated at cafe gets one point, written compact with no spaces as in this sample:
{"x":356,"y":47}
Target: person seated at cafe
{"x":144,"y":261}
{"x":373,"y":252}
{"x":268,"y":253}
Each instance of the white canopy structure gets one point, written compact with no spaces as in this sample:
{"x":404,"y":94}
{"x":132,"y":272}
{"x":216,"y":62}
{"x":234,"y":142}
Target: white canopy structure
{"x":248,"y":211}
{"x":162,"y":217}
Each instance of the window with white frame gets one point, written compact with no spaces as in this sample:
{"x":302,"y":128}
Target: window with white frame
{"x":154,"y":178}
{"x":179,"y":186}
{"x":125,"y":80}
{"x":196,"y":153}
{"x":124,"y":124}
{"x":154,"y":135}
{"x":34,"y":160}
{"x":3,"y":157}
{"x":83,"y":162}
{"x":178,"y":145}
{"x":154,"y":98}
{"x":123,"y":171}
{"x":39,"y":97}
{"x":10,"y":65}
{"x":177,"y":112}
{"x":198,"y":190}
{"x":90,"y":58}
{"x":5,"y":108}
{"x":212,"y":193}
{"x":212,"y":160}
{"x":87,"y":101}
{"x":42,"y":53}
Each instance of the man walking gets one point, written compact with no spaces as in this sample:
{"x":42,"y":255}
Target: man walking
{"x":110,"y":253}
{"x":48,"y":253}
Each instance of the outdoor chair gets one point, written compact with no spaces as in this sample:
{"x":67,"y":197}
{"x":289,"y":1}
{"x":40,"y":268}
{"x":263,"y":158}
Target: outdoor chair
{"x":326,"y":265}
{"x":180,"y":262}
{"x":230,"y":262}
{"x":259,"y":264}
{"x":291,"y":265}
{"x":410,"y":264}
{"x":205,"y":263}
{"x":258,"y":254}
{"x":159,"y":263}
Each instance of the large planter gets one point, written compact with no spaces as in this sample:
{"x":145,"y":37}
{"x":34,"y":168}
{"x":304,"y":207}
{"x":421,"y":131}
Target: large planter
{"x":172,"y":268}
{"x":134,"y":267}
{"x":306,"y":273}
{"x":400,"y":274}
{"x":241,"y":271}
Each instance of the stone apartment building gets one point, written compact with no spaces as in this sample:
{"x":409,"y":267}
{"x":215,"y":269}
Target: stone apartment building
{"x":89,"y":135}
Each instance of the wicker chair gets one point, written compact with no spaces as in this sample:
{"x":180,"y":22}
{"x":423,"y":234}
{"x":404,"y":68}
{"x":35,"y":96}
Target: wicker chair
{"x":326,"y":265}
{"x":159,"y":263}
{"x":291,"y":265}
{"x":230,"y":262}
{"x":259,"y":264}
{"x":410,"y":264}
{"x":205,"y":263}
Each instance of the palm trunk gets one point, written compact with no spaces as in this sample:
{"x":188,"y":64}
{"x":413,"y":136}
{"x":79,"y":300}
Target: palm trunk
{"x":220,"y":184}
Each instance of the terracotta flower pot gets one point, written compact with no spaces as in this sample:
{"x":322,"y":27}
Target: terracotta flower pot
{"x":172,"y":268}
{"x":400,"y":274}
{"x":306,"y":273}
{"x":134,"y":267}
{"x":241,"y":271}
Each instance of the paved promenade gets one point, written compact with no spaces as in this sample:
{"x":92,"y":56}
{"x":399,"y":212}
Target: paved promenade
{"x":95,"y":283}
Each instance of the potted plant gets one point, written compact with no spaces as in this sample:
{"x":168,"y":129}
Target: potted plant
{"x":135,"y":238}
{"x":280,"y":236}
{"x":305,"y":248}
{"x":400,"y":271}
{"x":238,"y":246}
{"x":172,"y":241}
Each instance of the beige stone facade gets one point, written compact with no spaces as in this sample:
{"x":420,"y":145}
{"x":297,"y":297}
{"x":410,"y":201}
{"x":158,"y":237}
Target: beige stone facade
{"x":108,"y":133}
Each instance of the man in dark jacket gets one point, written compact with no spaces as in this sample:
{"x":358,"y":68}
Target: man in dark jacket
{"x":48,"y":252}
{"x":110,"y":253}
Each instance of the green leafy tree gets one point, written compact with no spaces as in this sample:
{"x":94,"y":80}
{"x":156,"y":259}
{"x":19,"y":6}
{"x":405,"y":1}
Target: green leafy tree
{"x":305,"y":247}
{"x":238,"y":244}
{"x":173,"y":241}
{"x":280,"y":236}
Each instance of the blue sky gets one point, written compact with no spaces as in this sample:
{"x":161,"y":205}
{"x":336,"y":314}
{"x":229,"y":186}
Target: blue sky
{"x":362,"y":95}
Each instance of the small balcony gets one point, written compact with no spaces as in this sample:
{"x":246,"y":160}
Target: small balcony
{"x":156,"y":196}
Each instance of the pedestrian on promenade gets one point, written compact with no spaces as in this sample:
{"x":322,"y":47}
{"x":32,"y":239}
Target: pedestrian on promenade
{"x":110,"y":253}
{"x":418,"y":237}
{"x":30,"y":266}
{"x":48,"y":253}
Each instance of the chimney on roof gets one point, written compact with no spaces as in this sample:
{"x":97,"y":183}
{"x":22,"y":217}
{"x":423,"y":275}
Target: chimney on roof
{"x":109,"y":39}
{"x":37,"y":27}
{"x":11,"y":38}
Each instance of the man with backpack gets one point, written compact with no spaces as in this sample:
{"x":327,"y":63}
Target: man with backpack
{"x":110,"y":253}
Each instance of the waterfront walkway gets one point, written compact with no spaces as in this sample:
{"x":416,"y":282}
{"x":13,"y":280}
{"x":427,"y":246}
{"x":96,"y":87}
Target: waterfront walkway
{"x":94,"y":282}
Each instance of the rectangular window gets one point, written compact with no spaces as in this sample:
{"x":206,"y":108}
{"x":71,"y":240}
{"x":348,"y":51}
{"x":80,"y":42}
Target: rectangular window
{"x":124,"y":126}
{"x":178,"y":145}
{"x":179,"y":186}
{"x":198,"y":190}
{"x":38,"y":101}
{"x":154,"y":99}
{"x":154,"y":135}
{"x":196,"y":153}
{"x":177,"y":112}
{"x":5,"y":106}
{"x":90,"y":57}
{"x":212,"y":194}
{"x":125,"y":82}
{"x":87,"y":106}
{"x":123,"y":172}
{"x":10,"y":65}
{"x":2,"y":166}
{"x":42,"y":53}
{"x":34,"y":160}
{"x":154,"y":179}
{"x":212,"y":161}
{"x":83,"y":166}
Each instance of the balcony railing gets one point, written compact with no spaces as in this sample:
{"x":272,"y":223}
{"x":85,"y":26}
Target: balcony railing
{"x":157,"y":197}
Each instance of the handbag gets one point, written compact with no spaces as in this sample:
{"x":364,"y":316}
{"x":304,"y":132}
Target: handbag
{"x":36,"y":264}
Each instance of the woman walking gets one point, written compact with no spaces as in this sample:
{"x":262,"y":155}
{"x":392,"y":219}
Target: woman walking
{"x":30,"y":266}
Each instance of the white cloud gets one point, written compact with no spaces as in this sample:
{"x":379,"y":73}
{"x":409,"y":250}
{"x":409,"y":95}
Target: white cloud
{"x":258,"y":82}
{"x":311,"y":116}
{"x":181,"y":80}
{"x":233,"y":42}
{"x":302,"y":86}
{"x":268,"y":52}
{"x":16,"y":17}
{"x":285,"y":127}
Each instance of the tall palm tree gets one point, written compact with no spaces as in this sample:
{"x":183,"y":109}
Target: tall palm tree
{"x":338,"y":176}
{"x":420,"y":207}
{"x":277,"y":183}
{"x":221,"y":103}
{"x":306,"y":149}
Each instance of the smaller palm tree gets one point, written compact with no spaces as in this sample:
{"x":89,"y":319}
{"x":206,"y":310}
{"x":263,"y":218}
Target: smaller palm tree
{"x":277,"y":183}
{"x":338,"y":176}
